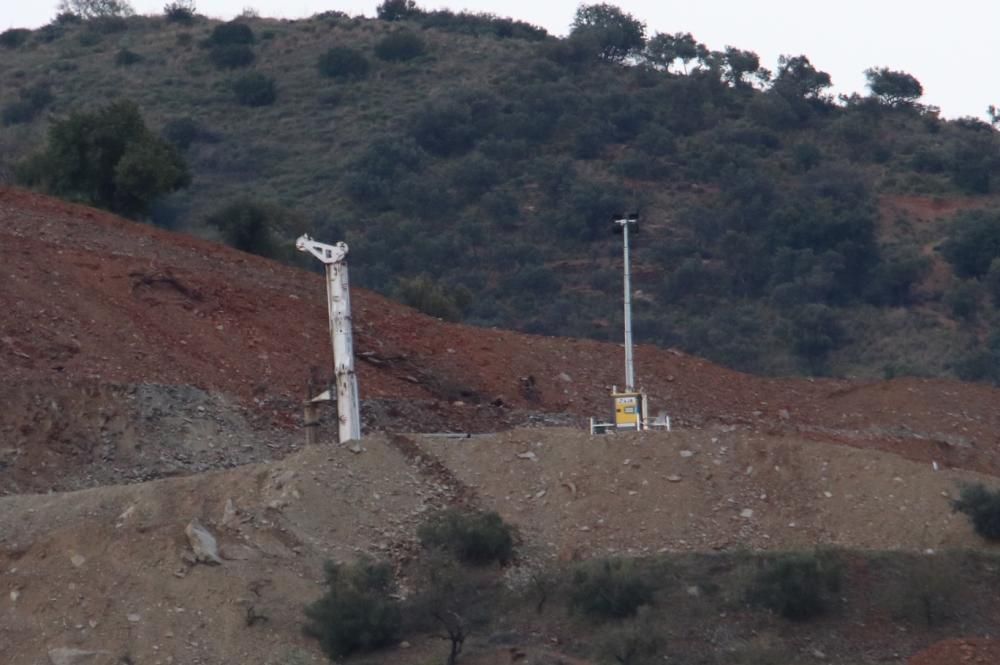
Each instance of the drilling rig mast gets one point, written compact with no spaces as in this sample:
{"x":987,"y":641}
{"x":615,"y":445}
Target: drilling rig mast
{"x":339,"y":304}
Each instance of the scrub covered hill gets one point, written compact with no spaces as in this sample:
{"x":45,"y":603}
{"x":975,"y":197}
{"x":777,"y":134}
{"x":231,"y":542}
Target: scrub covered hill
{"x":473,"y":163}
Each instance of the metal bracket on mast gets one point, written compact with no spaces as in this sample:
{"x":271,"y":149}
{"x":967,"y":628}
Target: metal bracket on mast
{"x":339,"y":306}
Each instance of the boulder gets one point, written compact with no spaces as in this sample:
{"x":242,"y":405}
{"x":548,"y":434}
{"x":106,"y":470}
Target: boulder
{"x":203,"y":543}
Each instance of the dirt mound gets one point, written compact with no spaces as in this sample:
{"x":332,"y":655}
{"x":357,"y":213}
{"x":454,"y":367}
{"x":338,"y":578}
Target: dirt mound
{"x":110,"y":569}
{"x":694,"y":491}
{"x":976,"y":651}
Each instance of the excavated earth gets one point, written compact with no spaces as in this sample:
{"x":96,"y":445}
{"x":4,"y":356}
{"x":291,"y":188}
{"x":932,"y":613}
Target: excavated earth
{"x":151,"y":379}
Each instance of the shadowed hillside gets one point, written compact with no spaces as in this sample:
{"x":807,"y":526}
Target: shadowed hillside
{"x":472,"y":163}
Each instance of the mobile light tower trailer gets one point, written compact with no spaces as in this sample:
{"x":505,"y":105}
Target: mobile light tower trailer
{"x":338,"y":296}
{"x":631,"y":406}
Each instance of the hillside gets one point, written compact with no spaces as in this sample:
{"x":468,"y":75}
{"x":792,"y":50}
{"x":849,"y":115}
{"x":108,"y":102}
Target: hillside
{"x":152,"y":378}
{"x":137,"y":306}
{"x":473,"y":175}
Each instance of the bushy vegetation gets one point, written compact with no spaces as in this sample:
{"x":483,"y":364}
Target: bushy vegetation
{"x":255,"y":89}
{"x":357,"y":612}
{"x":184,"y":131}
{"x":771,"y":240}
{"x":233,"y":32}
{"x":400,"y":46}
{"x":611,"y":588}
{"x":796,"y":586}
{"x":96,"y":9}
{"x":982,"y":506}
{"x":423,"y":293}
{"x":232,"y":56}
{"x":109,"y":159}
{"x":476,"y":538}
{"x":343,"y":62}
{"x":974,"y":244}
{"x":459,"y":22}
{"x":252,"y":226}
{"x":32,"y":100}
{"x":127,"y":58}
{"x":180,"y":11}
{"x":637,"y":616}
{"x":14,"y":37}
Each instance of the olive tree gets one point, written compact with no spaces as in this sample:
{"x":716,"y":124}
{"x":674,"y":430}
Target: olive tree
{"x":893,"y":88}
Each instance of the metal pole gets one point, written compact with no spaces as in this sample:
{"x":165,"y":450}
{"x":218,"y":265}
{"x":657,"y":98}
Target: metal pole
{"x":629,"y":370}
{"x":338,"y":291}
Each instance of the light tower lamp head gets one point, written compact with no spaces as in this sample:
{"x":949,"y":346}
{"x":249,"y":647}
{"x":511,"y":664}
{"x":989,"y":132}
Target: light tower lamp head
{"x":322,"y":251}
{"x":621,"y":220}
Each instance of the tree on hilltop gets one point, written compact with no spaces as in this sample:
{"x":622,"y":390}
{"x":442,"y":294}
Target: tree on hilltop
{"x":616,"y":34}
{"x":88,"y":9}
{"x":397,"y":10}
{"x":797,"y":78}
{"x":893,"y":88}
{"x":740,"y":64}
{"x":662,"y":50}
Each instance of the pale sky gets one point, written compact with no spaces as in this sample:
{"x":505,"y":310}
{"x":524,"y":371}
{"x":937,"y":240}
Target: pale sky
{"x":943,"y":44}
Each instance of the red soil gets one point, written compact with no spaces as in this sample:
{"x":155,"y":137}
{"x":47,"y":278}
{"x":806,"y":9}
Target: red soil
{"x":981,"y":651}
{"x":86,"y":295}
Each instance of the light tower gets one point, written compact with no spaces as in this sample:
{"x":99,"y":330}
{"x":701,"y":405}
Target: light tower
{"x":623,"y":223}
{"x":338,"y":297}
{"x":630,"y":405}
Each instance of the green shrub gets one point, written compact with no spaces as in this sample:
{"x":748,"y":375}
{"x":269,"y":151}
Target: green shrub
{"x":400,"y":46}
{"x":476,"y":538}
{"x":108,"y":25}
{"x":634,"y":642}
{"x":180,"y":11}
{"x":396,"y":10}
{"x":108,"y":159}
{"x":358,"y":612}
{"x":89,"y":38}
{"x":66,"y":18}
{"x":610,"y":589}
{"x":424,"y":294}
{"x":232,"y":33}
{"x":127,"y":58}
{"x":255,"y":89}
{"x":33,"y":99}
{"x":796,"y":586}
{"x":982,"y":506}
{"x":17,"y":113}
{"x":344,"y":63}
{"x":973,"y":243}
{"x":14,"y":37}
{"x":249,"y":226}
{"x":963,"y":300}
{"x":479,"y":24}
{"x":182,"y":132}
{"x":231,"y":56}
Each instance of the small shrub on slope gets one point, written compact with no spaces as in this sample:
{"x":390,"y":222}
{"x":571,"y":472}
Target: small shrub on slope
{"x":476,"y":538}
{"x":357,"y":613}
{"x":982,"y":506}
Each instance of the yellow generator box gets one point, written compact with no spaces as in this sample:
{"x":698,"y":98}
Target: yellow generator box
{"x":627,"y":410}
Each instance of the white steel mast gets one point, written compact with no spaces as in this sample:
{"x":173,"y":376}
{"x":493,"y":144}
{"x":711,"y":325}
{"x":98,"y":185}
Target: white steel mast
{"x":624,"y":223}
{"x":339,"y":305}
